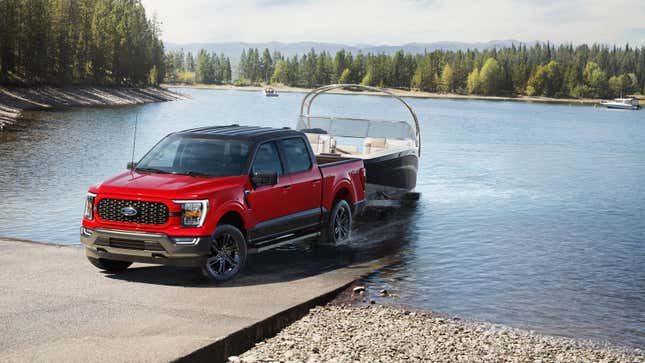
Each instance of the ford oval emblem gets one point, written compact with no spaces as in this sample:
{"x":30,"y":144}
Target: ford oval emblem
{"x":129,"y":211}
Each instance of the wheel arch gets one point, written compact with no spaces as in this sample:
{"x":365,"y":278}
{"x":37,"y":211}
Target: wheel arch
{"x":233,"y":218}
{"x":233,"y":214}
{"x":344,"y":194}
{"x":345,"y":191}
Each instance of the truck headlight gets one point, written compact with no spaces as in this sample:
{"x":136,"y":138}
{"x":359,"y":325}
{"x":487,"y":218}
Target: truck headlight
{"x":193,"y":212}
{"x":88,"y":211}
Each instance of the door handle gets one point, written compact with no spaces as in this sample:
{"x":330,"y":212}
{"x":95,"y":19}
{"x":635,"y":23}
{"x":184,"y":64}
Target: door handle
{"x":286,"y":187}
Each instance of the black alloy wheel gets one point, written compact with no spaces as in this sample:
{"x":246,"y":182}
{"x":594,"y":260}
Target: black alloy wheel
{"x":227,"y":254}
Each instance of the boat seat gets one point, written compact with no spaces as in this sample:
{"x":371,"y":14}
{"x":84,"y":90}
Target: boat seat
{"x":392,"y":143}
{"x":319,"y":143}
{"x":373,"y":145}
{"x":347,"y":150}
{"x":376,"y":145}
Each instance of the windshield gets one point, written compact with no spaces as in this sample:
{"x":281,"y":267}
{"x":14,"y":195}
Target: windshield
{"x":196,"y":157}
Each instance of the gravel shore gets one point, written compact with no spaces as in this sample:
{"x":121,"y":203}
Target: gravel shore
{"x":385,"y":334}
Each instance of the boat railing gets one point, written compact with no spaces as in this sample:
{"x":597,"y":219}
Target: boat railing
{"x":306,"y":117}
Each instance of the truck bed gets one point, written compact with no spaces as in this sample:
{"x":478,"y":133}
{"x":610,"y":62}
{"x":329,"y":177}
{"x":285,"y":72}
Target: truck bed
{"x":326,"y":160}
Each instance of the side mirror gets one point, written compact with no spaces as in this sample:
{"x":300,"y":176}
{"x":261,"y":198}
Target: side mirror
{"x":131,"y":165}
{"x":260,"y":178}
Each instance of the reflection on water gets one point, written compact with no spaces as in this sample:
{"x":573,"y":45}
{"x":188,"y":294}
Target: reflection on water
{"x":531,"y":215}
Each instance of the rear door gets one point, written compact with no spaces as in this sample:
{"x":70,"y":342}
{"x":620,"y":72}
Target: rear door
{"x":304,"y":195}
{"x":267,"y":202}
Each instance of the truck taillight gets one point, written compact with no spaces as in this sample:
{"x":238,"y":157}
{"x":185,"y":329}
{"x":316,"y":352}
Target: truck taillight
{"x":364,"y":179}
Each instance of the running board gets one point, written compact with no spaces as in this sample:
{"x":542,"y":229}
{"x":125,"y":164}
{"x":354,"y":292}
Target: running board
{"x":285,"y":242}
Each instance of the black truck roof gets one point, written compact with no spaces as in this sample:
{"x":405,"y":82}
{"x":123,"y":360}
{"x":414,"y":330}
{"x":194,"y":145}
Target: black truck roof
{"x":250,"y":133}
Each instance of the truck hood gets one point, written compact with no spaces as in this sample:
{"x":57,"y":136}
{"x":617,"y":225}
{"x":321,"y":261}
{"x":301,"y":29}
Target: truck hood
{"x":169,"y":186}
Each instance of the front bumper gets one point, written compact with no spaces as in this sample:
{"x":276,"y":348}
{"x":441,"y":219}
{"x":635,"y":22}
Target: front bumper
{"x":146,"y":247}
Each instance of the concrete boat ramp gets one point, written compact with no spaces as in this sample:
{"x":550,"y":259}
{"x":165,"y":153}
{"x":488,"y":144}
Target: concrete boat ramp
{"x":55,"y":306}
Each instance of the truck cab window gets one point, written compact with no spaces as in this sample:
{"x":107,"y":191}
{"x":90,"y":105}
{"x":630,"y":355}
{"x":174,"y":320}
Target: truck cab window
{"x":196,"y":156}
{"x":163,"y":155}
{"x":297,"y":155}
{"x":267,"y":159}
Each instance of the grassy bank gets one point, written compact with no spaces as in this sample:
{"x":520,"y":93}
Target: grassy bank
{"x":402,"y":93}
{"x":15,"y":100}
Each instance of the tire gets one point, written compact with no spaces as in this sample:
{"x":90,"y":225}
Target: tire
{"x":339,"y":226}
{"x":228,"y":254}
{"x":109,"y":265}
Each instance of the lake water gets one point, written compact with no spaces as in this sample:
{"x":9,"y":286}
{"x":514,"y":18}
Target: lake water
{"x":531,"y":215}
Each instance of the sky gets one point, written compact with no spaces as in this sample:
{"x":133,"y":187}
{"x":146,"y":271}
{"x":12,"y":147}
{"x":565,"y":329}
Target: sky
{"x":393,"y":22}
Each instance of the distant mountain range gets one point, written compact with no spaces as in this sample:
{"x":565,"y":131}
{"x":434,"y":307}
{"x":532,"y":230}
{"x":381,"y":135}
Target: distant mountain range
{"x":234,"y":49}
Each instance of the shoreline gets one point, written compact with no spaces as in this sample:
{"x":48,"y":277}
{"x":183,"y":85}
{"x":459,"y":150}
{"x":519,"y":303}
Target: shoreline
{"x":400,"y":93}
{"x":15,"y":100}
{"x":379,"y":333}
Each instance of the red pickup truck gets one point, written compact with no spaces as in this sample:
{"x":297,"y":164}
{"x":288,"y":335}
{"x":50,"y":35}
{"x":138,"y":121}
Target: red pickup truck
{"x":209,"y":196}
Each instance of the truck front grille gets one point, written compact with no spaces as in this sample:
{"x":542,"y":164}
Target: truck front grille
{"x":146,"y":212}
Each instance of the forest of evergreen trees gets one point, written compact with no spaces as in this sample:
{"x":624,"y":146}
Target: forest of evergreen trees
{"x":206,"y":68}
{"x":111,"y":42}
{"x":62,"y":42}
{"x":538,"y":70}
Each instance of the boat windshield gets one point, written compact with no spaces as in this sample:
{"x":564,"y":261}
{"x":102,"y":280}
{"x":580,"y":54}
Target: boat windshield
{"x":195,"y":156}
{"x":332,"y":133}
{"x":360,"y":128}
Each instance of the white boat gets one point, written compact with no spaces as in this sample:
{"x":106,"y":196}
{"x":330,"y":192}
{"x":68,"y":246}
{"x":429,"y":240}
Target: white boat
{"x":390,"y":149}
{"x":621,"y":103}
{"x":270,"y":92}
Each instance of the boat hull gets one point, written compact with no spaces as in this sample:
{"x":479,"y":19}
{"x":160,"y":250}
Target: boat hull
{"x":623,"y":107}
{"x":398,"y":171}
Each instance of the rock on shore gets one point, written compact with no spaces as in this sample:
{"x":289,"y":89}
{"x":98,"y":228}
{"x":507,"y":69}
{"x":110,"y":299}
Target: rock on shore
{"x":384,"y":334}
{"x":15,"y":100}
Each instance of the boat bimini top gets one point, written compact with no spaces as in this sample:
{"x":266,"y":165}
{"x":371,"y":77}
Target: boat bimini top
{"x":379,"y":137}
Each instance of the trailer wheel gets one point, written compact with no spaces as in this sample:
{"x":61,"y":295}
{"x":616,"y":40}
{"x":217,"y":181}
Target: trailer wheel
{"x":339,"y":226}
{"x":227,"y":254}
{"x":109,"y":265}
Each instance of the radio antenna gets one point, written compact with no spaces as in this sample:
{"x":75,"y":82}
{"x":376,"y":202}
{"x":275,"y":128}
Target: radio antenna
{"x":134,"y":140}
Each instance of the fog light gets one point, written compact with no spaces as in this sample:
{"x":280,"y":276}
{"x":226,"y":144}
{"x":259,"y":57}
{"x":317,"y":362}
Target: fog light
{"x":186,"y":241}
{"x":86,"y":232}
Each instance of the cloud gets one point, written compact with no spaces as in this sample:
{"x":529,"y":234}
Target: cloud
{"x":397,"y":21}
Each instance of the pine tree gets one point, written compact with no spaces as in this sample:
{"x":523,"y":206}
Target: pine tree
{"x":341,"y":62}
{"x":280,"y":73}
{"x":345,"y":76}
{"x":473,"y":86}
{"x":225,"y":63}
{"x":190,"y":62}
{"x":595,"y":79}
{"x":489,"y":77}
{"x":447,"y":79}
{"x":423,"y":78}
{"x":265,"y":67}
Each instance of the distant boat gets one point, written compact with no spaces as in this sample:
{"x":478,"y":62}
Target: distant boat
{"x":270,"y":92}
{"x":622,"y":103}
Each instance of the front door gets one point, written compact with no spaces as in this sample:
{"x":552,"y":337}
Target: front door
{"x":266,"y":203}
